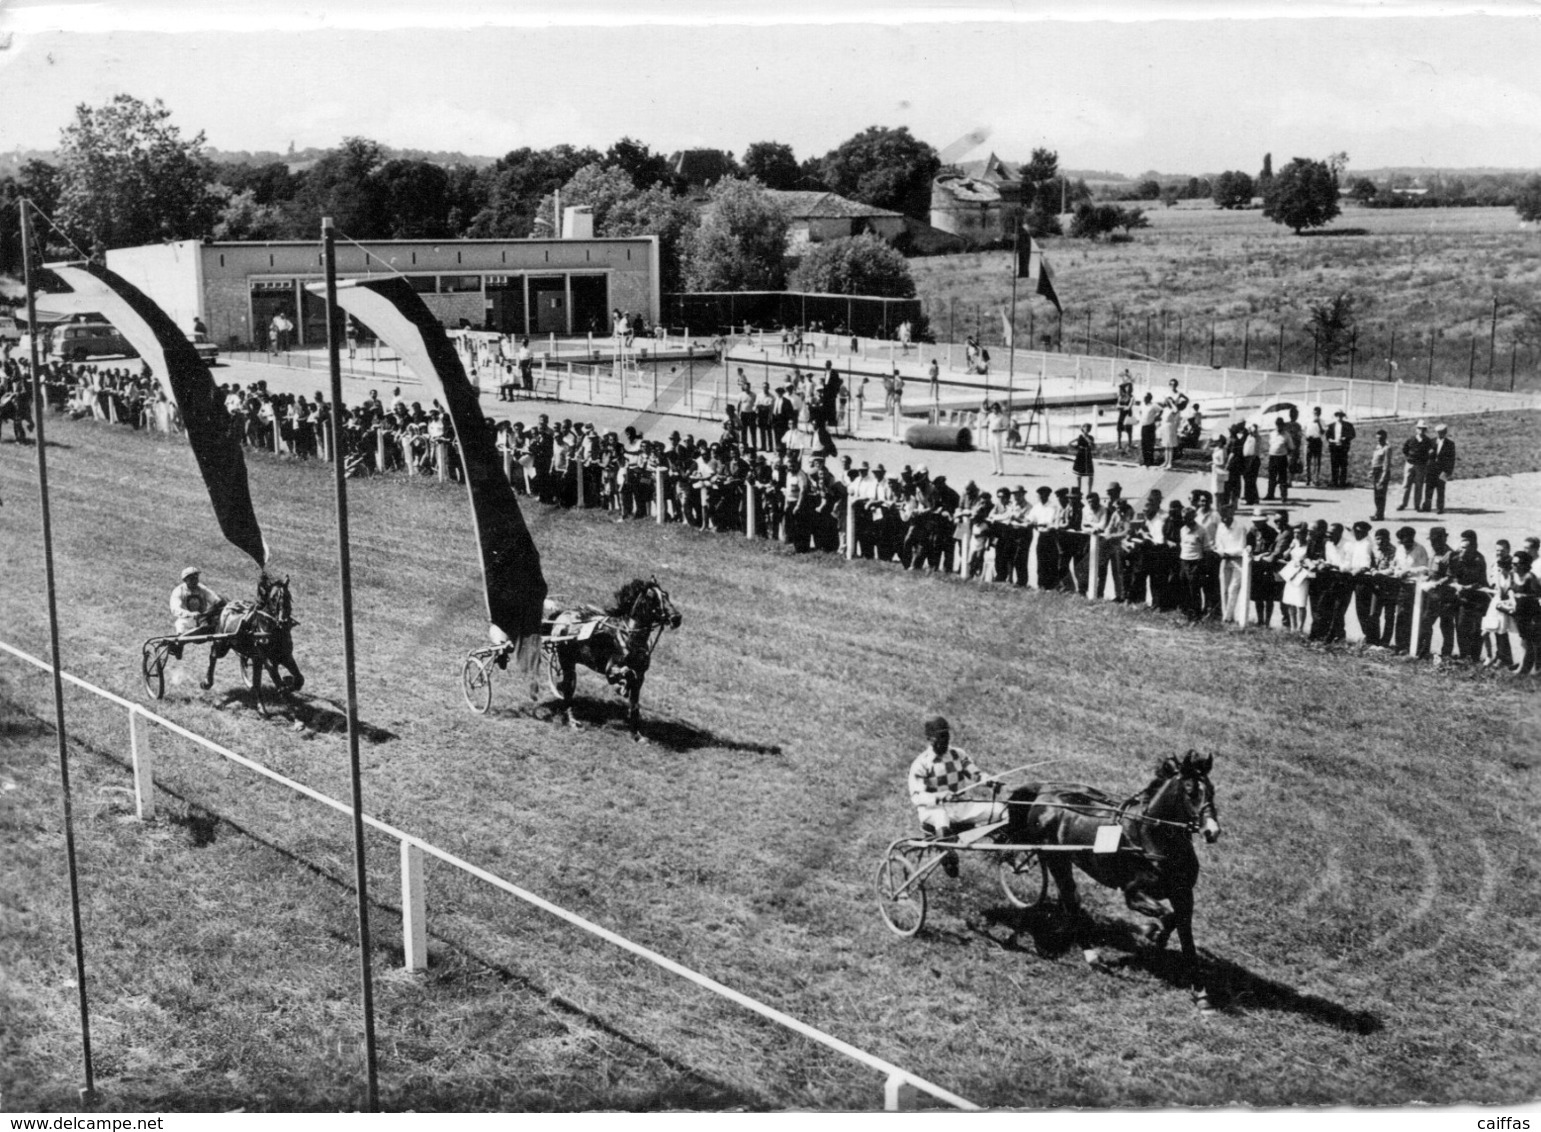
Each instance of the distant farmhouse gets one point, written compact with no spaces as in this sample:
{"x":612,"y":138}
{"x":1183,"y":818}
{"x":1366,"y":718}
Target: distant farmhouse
{"x":819,"y":216}
{"x":978,"y":201}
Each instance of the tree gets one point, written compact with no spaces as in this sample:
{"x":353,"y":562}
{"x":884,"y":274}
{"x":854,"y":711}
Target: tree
{"x":1148,"y":189}
{"x":657,"y":212}
{"x":854,"y":265}
{"x":641,"y":164}
{"x":740,"y":243}
{"x":1233,"y":190}
{"x":127,"y":176}
{"x":243,"y":217}
{"x":1131,"y":218}
{"x":1042,"y":219}
{"x":1093,"y":221}
{"x":341,"y":185}
{"x":414,"y":200}
{"x":1265,"y":177}
{"x":886,"y":168}
{"x":1304,"y":194}
{"x":1363,"y":190}
{"x":1528,"y":202}
{"x":514,"y":186}
{"x":597,"y":187}
{"x":772,"y":164}
{"x":1042,"y":166}
{"x":1332,"y":325}
{"x":38,"y":182}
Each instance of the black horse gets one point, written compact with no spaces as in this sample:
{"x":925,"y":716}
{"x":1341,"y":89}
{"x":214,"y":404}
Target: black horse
{"x":13,"y":409}
{"x":1155,"y":860}
{"x":261,"y":634}
{"x":620,"y":646}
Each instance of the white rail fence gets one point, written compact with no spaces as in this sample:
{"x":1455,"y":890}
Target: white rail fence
{"x":900,"y":1085}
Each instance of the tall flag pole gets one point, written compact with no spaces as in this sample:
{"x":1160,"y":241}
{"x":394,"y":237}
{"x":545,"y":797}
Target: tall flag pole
{"x":345,"y":570}
{"x":89,"y":1091}
{"x":1011,"y":327}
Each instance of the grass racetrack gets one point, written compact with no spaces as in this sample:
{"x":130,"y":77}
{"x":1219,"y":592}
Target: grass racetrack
{"x":1367,"y":921}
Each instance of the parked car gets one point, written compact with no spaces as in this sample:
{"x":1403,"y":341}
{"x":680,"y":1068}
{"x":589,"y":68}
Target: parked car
{"x":80,"y":341}
{"x":207,"y":350}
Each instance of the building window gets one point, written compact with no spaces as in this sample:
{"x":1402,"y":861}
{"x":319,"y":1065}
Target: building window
{"x":423,"y":284}
{"x":459,"y":284}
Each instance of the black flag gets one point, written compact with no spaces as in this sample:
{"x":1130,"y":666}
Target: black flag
{"x":188,"y":384}
{"x":516,"y":588}
{"x":1034,"y":268}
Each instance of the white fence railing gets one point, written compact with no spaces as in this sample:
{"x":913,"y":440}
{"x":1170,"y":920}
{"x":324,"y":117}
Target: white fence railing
{"x":900,"y":1084}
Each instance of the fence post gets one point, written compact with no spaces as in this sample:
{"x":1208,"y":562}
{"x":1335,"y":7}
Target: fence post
{"x":379,"y":450}
{"x":660,"y":501}
{"x":1417,"y":624}
{"x":577,"y":465}
{"x":441,"y":458}
{"x":706,"y":519}
{"x":1244,"y":594}
{"x":896,"y":422}
{"x":1093,"y":562}
{"x":898,"y":1095}
{"x":850,"y":527}
{"x":414,"y":909}
{"x":278,"y":437}
{"x":750,"y":519}
{"x":508,"y":465}
{"x":144,"y":765}
{"x":966,"y":547}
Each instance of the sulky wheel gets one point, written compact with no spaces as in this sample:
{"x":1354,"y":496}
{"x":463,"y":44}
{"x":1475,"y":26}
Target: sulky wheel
{"x":901,"y":899}
{"x":476,"y":683}
{"x":1024,"y":879}
{"x":153,"y":667}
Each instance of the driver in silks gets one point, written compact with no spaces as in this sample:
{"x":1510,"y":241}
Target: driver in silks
{"x":195,"y":607}
{"x":940,"y":780}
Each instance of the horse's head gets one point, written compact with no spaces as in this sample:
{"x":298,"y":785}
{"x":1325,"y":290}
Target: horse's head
{"x":660,"y":610}
{"x":274,"y":599}
{"x":1184,"y":794}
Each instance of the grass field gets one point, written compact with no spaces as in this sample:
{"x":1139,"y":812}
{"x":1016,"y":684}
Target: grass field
{"x":1417,"y":271}
{"x":1367,"y":921}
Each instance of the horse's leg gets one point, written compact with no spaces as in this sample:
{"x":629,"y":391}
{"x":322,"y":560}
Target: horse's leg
{"x":208,"y":681}
{"x":565,"y":686}
{"x":258,"y":663}
{"x":1063,"y":872}
{"x":634,"y":713}
{"x":1182,"y":917}
{"x":1138,"y":900}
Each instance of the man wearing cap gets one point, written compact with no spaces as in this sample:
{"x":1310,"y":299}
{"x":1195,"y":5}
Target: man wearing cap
{"x":1340,"y":437}
{"x":1409,"y":564}
{"x":1468,"y":576}
{"x":1441,"y":470}
{"x":1417,"y":451}
{"x":1358,"y":562}
{"x":1438,"y":597}
{"x":1229,"y":544}
{"x":193,"y":607}
{"x":946,"y":789}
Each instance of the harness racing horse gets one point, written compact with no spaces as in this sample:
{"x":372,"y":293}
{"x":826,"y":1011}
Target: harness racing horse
{"x":1155,"y":860}
{"x":260,"y":633}
{"x":12,"y":409}
{"x":620,"y":645}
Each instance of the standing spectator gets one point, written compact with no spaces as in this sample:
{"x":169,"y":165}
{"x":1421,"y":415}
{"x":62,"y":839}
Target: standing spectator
{"x":1468,"y":574}
{"x":1340,"y":438}
{"x":1171,"y":424}
{"x":1297,"y":442}
{"x":1296,"y":572}
{"x":1387,"y":590}
{"x":1220,"y":469}
{"x":1044,"y":518}
{"x":1279,"y":462}
{"x":1193,"y":544}
{"x":1441,"y":470}
{"x":1380,"y":474}
{"x":1332,"y":589}
{"x":1230,"y":543}
{"x":1150,"y":413}
{"x":1358,"y":564}
{"x":1417,"y":451}
{"x":1499,"y":621}
{"x":1251,"y":464}
{"x":1316,"y":437}
{"x":1084,"y":448}
{"x":1409,"y":566}
{"x":995,"y":437}
{"x":526,"y":366}
{"x":1524,"y":595}
{"x":1438,"y":597}
{"x":935,"y":375}
{"x":1125,"y":423}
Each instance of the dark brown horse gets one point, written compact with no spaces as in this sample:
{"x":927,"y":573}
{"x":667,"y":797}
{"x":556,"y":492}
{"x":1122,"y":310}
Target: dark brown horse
{"x":1155,"y":860}
{"x":619,"y":646}
{"x":260,"y":633}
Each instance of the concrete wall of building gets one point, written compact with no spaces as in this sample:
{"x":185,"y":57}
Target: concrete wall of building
{"x":168,"y":273}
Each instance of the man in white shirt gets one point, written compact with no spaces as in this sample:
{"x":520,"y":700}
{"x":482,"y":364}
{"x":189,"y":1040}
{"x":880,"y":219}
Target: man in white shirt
{"x":193,"y":607}
{"x":1316,"y":435}
{"x":1278,"y":462}
{"x":1230,"y":543}
{"x":1358,"y":561}
{"x":1410,"y":563}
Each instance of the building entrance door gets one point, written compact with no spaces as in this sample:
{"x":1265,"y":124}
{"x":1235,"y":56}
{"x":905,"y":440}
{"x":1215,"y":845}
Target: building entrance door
{"x":548,"y":304}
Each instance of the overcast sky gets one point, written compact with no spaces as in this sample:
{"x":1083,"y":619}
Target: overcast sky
{"x":1209,"y":86}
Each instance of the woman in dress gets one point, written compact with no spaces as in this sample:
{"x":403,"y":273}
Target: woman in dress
{"x":1220,"y":470}
{"x":1295,"y":572}
{"x":1083,"y":466}
{"x":1171,"y":422}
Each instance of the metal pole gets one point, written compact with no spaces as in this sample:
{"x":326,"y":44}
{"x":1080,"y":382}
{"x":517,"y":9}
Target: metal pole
{"x":1179,"y":339}
{"x":1147,"y":335}
{"x":1471,"y":364}
{"x":1211,"y":343}
{"x":1246,"y":344}
{"x":1353,"y":352}
{"x":1391,"y":359}
{"x":1118,"y":333}
{"x":345,"y":573}
{"x":1088,"y":331}
{"x":88,"y":1092}
{"x":1280,"y":366}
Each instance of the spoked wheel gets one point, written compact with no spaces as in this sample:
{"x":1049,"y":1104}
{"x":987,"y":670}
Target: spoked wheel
{"x":476,"y":682}
{"x":901,"y":899}
{"x":153,"y":667}
{"x":1024,"y":878}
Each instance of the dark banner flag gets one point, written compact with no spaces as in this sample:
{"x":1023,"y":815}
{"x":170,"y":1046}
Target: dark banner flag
{"x":1034,"y":268}
{"x":187,"y":382}
{"x":516,"y":588}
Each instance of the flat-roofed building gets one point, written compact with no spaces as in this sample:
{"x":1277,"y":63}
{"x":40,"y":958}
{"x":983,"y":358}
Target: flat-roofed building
{"x":535,"y":287}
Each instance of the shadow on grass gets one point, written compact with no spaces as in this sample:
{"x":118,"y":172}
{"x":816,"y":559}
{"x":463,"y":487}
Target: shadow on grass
{"x":31,"y":442}
{"x":673,"y":734}
{"x":1230,"y":985}
{"x":1333,"y":233}
{"x":301,"y":711}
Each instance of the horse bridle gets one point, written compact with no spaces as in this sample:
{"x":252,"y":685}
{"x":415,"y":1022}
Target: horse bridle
{"x":1193,"y":825}
{"x":654,"y":632}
